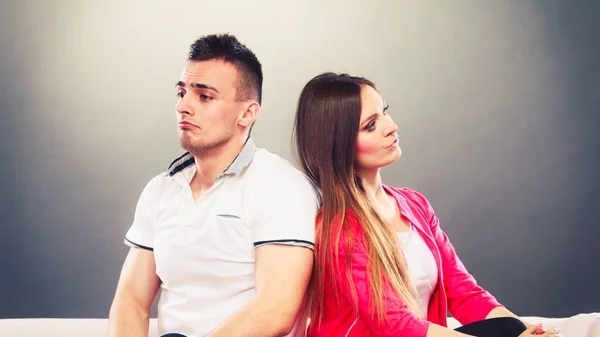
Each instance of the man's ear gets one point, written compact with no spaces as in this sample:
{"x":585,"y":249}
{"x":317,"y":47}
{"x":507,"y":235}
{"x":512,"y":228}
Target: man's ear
{"x":249,"y":114}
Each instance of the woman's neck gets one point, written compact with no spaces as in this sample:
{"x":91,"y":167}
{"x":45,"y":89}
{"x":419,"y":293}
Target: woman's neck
{"x":371,"y":181}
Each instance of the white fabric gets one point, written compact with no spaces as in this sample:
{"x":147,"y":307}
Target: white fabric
{"x":204,"y":250}
{"x":422,"y":268}
{"x":582,"y":325}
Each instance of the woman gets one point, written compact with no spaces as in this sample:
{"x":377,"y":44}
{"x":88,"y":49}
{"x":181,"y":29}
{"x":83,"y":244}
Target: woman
{"x":383,"y":266}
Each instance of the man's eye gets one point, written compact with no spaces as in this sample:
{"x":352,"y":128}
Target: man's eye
{"x":179,"y":94}
{"x":206,"y":98}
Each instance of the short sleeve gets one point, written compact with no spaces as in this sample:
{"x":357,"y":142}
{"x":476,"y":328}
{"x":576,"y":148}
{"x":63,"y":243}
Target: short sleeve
{"x":141,"y":232}
{"x":284,"y":209}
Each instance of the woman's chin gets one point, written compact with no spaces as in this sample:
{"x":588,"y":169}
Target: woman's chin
{"x":396,"y":154}
{"x":392,"y":158}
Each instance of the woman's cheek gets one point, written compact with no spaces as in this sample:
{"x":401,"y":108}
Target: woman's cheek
{"x":365,"y":146}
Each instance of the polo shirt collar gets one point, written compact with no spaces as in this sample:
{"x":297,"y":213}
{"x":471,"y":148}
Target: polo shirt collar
{"x":242,"y":160}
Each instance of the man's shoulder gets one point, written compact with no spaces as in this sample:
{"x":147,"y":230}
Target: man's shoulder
{"x":269,"y":169}
{"x":159,"y":182}
{"x":268,"y":164}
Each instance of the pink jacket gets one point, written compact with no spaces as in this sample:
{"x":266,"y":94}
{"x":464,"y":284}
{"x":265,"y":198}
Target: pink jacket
{"x":456,"y":290}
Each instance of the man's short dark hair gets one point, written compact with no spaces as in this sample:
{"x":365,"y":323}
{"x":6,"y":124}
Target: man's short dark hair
{"x":226,"y":47}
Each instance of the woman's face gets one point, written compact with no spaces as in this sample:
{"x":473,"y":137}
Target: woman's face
{"x":377,"y":140}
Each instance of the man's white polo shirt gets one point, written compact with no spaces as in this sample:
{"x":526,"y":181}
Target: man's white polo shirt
{"x":204,"y":250}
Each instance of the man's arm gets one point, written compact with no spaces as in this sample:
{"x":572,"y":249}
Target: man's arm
{"x":282,"y":276}
{"x":136,"y":291}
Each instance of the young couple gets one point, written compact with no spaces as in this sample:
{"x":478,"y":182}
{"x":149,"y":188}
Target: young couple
{"x":240,"y":243}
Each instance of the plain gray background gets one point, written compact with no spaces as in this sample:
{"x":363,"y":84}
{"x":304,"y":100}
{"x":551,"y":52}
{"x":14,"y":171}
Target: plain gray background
{"x":497,"y":104}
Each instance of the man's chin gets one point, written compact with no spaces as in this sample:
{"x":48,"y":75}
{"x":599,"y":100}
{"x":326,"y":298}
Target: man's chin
{"x":198,"y":147}
{"x":195,"y":148}
{"x":185,"y":144}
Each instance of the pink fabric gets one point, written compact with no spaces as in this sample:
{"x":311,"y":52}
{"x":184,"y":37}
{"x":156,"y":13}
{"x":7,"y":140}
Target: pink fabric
{"x":456,"y":290}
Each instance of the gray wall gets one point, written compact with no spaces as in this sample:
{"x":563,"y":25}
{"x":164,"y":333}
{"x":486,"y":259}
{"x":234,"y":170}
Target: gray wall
{"x":497,"y":103}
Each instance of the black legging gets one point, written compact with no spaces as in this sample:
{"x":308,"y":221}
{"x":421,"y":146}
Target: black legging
{"x":494,"y":327}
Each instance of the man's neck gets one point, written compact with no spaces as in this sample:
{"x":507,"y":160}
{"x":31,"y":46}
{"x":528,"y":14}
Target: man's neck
{"x":213,"y":163}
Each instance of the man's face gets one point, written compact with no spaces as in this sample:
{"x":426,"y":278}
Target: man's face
{"x":207,"y":109}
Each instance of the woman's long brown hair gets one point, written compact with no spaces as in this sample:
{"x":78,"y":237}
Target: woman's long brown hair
{"x":325,"y":132}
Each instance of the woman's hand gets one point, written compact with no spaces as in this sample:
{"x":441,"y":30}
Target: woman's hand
{"x":532,"y":331}
{"x":539,"y":330}
{"x":503,"y":312}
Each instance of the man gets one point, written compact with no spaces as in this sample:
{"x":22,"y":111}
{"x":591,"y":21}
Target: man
{"x":227,"y":232}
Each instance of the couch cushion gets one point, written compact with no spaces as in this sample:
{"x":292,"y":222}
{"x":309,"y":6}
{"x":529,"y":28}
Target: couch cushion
{"x":60,"y":327}
{"x":582,"y":325}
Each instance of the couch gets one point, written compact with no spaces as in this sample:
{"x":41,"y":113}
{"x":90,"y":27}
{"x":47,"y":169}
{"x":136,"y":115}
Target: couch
{"x":583,"y":325}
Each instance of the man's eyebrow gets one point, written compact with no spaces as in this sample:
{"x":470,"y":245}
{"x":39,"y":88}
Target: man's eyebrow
{"x":197,"y":85}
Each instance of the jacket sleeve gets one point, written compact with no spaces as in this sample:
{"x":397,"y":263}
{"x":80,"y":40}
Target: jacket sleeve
{"x":467,"y":301}
{"x":399,"y":321}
